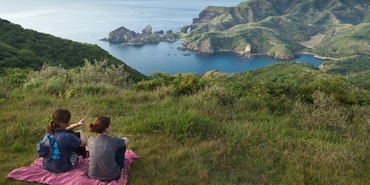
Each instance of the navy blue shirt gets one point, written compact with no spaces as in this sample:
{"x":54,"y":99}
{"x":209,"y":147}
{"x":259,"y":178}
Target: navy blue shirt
{"x":56,"y":150}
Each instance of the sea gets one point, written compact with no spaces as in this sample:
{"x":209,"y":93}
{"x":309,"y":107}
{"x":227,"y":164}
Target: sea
{"x":88,"y":21}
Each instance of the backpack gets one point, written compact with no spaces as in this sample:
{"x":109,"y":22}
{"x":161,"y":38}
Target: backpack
{"x":44,"y":149}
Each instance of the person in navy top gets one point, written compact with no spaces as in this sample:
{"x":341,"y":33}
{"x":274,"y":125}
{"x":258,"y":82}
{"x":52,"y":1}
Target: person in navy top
{"x":58,"y":145}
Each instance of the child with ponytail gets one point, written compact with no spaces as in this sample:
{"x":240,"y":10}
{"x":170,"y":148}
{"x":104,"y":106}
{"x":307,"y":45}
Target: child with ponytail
{"x":59,"y":145}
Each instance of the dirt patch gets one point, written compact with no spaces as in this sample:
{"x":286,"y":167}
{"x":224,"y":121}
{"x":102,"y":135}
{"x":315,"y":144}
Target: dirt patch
{"x":316,"y":39}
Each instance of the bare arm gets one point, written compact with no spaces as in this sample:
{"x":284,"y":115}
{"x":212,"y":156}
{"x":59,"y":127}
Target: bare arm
{"x":75,"y":125}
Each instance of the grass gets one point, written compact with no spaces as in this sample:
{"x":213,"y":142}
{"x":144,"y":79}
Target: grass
{"x":210,"y":136}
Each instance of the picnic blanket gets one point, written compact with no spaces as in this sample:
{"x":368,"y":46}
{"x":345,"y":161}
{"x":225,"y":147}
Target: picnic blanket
{"x":36,"y":173}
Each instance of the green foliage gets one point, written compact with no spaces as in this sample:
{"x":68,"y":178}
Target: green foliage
{"x":14,"y":77}
{"x":7,"y":51}
{"x":218,"y":94}
{"x":287,"y":123}
{"x":52,"y":86}
{"x":154,"y":81}
{"x":187,"y":83}
{"x":324,"y":113}
{"x":23,"y":48}
{"x":152,"y":38}
{"x":102,"y":72}
{"x":277,"y":28}
{"x":361,"y":79}
{"x":92,"y":78}
{"x":347,"y":41}
{"x":337,"y":86}
{"x":180,"y":124}
{"x":348,"y":66}
{"x":257,"y":126}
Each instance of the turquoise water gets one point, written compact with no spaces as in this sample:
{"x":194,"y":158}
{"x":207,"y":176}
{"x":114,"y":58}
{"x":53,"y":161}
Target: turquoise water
{"x":90,"y":20}
{"x":165,"y":57}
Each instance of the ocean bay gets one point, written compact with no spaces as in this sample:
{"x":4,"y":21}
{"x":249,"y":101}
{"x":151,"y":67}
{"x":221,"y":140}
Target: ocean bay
{"x":165,"y":57}
{"x":89,"y":21}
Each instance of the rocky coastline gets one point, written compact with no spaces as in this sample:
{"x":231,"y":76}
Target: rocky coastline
{"x":124,"y":36}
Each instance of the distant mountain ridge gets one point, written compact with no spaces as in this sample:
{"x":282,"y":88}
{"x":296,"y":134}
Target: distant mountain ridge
{"x":277,"y":27}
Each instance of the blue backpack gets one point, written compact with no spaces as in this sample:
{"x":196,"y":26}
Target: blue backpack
{"x":44,"y":148}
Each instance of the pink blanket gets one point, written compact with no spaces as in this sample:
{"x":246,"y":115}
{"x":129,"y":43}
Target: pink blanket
{"x":36,"y":173}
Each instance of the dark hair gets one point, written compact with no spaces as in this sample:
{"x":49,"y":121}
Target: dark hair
{"x":100,"y":124}
{"x":59,"y":116}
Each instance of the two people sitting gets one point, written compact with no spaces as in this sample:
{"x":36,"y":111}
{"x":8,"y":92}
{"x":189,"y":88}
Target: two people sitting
{"x":61,"y":147}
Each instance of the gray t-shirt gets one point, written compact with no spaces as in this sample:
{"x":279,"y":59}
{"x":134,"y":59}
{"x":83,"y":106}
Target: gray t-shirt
{"x":102,"y":150}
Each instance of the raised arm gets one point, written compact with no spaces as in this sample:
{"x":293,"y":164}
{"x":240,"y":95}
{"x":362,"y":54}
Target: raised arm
{"x":75,"y":125}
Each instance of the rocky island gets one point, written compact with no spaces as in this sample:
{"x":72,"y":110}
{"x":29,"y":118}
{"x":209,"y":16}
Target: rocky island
{"x":125,"y":36}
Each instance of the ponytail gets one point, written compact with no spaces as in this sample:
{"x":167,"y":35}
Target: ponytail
{"x":51,"y":126}
{"x":100,"y":124}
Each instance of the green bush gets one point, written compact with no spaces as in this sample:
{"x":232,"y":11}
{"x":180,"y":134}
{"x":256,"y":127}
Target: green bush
{"x":187,"y":83}
{"x":52,"y":86}
{"x":14,"y":77}
{"x":218,"y":94}
{"x":324,"y":114}
{"x":154,"y":81}
{"x":101,"y":72}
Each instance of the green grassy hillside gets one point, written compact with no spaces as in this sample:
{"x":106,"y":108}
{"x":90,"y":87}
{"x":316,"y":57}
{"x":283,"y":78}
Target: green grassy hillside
{"x":288,"y":123}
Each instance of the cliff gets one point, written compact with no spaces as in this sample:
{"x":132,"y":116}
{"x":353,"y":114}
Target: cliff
{"x":278,"y":27}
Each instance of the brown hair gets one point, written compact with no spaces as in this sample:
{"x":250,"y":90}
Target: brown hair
{"x":100,"y":124}
{"x":59,"y":116}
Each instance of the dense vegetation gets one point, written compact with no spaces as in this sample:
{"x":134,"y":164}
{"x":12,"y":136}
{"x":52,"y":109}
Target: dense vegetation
{"x":288,"y":123}
{"x":282,"y":26}
{"x":23,"y":48}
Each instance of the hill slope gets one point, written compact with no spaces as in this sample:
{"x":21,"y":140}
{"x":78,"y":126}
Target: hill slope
{"x":26,"y":48}
{"x":287,"y":123}
{"x":276,"y":27}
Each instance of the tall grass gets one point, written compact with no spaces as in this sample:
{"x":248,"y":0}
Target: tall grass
{"x":204,"y":135}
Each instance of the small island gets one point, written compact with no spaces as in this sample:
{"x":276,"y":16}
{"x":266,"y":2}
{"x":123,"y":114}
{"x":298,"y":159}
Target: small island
{"x":125,"y":36}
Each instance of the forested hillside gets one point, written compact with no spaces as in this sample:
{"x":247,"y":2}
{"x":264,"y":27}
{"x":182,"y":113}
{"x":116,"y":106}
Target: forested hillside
{"x":24,"y":48}
{"x":278,"y":27}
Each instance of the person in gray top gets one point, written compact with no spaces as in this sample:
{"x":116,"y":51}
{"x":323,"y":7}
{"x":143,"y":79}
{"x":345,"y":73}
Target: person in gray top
{"x":106,"y":153}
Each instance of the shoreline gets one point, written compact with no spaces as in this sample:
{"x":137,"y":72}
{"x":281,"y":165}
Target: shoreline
{"x":318,"y":56}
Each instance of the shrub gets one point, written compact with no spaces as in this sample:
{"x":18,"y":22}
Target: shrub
{"x":154,"y":81}
{"x":14,"y":77}
{"x":219,"y":94}
{"x":52,"y":86}
{"x":100,"y":72}
{"x":94,"y":88}
{"x":187,"y":83}
{"x":325,"y":113}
